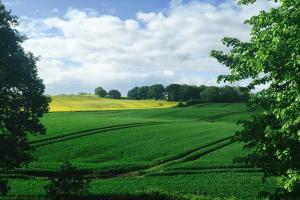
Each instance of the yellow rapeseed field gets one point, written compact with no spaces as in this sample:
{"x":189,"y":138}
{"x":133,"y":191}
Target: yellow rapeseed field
{"x":92,"y":103}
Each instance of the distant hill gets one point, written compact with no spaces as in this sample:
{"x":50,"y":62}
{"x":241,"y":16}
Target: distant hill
{"x":91,"y":102}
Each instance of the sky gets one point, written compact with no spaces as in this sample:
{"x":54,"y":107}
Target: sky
{"x":118,"y":44}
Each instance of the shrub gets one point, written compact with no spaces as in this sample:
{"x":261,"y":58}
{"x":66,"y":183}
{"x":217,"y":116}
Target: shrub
{"x":68,"y":185}
{"x":4,"y":188}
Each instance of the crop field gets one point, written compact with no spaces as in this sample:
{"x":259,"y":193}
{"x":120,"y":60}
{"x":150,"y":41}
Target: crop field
{"x":188,"y":151}
{"x":92,"y":103}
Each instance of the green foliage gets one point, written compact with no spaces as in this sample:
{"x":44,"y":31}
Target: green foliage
{"x":68,"y":185}
{"x":271,"y":57}
{"x":99,"y":91}
{"x":156,"y":91}
{"x":173,"y":92}
{"x":143,"y":92}
{"x":4,"y":188}
{"x":224,"y":94}
{"x":114,"y":94}
{"x":22,"y":99}
{"x":134,"y":93}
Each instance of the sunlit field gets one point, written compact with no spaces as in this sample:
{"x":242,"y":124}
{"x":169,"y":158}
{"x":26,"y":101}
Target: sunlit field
{"x":189,"y":151}
{"x":93,"y":103}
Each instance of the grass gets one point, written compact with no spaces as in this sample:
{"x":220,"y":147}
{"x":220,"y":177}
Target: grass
{"x":234,"y":185}
{"x":174,"y":150}
{"x":221,"y":158}
{"x":92,"y":103}
{"x":136,"y":146}
{"x":58,"y":123}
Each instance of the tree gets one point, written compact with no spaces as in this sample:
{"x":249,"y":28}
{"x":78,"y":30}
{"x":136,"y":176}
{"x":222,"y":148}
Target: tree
{"x":22,"y":99}
{"x":99,"y":91}
{"x":133,"y":93}
{"x":189,"y":92}
{"x":114,"y":94}
{"x":173,"y":92}
{"x":271,"y":58}
{"x":143,"y":92}
{"x":69,"y":184}
{"x":229,"y":94}
{"x":156,"y":91}
{"x":211,"y":94}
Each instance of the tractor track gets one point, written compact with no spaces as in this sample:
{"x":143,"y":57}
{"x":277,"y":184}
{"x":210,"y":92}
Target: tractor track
{"x":75,"y":135}
{"x":151,"y":169}
{"x":147,"y":170}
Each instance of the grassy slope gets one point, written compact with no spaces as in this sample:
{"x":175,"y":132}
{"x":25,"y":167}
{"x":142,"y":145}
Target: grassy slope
{"x":182,"y":129}
{"x":91,"y":103}
{"x":220,"y":158}
{"x":236,"y":185}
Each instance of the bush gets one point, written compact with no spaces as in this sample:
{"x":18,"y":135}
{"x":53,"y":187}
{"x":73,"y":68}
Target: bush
{"x":4,"y":188}
{"x":114,"y":94}
{"x":68,"y":185}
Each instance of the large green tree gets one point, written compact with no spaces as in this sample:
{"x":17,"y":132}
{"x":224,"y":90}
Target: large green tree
{"x":133,"y":93}
{"x":22,"y":99}
{"x":114,"y":94}
{"x":156,"y":91}
{"x":271,"y":58}
{"x":99,"y":91}
{"x":173,"y":92}
{"x":143,"y":92}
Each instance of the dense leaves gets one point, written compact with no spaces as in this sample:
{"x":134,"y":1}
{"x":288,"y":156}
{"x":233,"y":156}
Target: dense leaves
{"x":114,"y":94}
{"x":22,"y":99}
{"x":189,"y":93}
{"x":99,"y":91}
{"x":68,"y":185}
{"x":271,"y":58}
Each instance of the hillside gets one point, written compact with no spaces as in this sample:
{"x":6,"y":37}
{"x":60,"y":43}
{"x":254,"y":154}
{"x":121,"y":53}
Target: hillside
{"x":185,"y":151}
{"x":94,"y":103}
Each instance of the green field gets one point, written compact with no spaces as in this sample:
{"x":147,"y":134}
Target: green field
{"x":92,"y":103}
{"x":178,"y":150}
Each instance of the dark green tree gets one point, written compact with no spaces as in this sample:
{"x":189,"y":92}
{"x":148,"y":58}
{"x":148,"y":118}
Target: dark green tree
{"x":188,"y":92}
{"x":211,"y":94}
{"x":173,"y":92}
{"x":229,"y":94}
{"x":22,"y":99}
{"x":271,"y":58}
{"x":69,"y":184}
{"x":143,"y":92}
{"x":114,"y":94}
{"x":133,"y":93}
{"x":156,"y":91}
{"x":244,"y":94}
{"x":99,"y":91}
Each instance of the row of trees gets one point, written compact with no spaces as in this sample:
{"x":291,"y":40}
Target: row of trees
{"x":176,"y":92}
{"x":114,"y":94}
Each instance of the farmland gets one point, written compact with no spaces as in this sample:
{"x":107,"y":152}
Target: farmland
{"x":92,"y":103}
{"x":186,"y":151}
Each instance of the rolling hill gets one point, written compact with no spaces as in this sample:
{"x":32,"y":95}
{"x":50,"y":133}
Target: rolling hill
{"x":93,"y":103}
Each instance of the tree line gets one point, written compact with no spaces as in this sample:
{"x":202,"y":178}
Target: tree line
{"x":113,"y":94}
{"x":183,"y":93}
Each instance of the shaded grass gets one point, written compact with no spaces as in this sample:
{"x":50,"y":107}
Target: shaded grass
{"x":236,"y":185}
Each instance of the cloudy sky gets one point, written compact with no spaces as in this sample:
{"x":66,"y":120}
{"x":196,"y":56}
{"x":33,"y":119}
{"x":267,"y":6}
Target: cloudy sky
{"x":120,"y":44}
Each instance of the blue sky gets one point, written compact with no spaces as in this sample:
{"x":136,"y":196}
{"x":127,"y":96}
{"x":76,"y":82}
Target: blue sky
{"x":123,"y":8}
{"x":120,"y":44}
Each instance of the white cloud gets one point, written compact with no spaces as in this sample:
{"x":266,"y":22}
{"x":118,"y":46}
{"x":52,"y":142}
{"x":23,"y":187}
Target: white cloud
{"x":165,"y":47}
